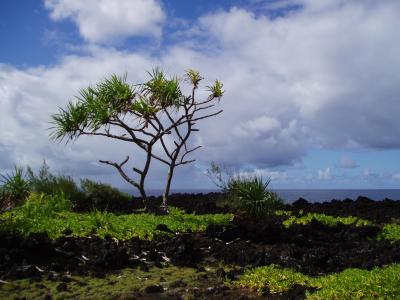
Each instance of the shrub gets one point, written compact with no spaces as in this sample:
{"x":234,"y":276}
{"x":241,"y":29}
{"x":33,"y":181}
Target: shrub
{"x":251,"y":195}
{"x":102,"y":196}
{"x":15,"y":187}
{"x":45,"y":205}
{"x":47,"y":183}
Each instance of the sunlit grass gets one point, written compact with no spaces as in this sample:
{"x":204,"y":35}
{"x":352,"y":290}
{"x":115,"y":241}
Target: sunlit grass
{"x":390,"y":232}
{"x":50,"y":214}
{"x":379,"y":283}
{"x":324,"y":219}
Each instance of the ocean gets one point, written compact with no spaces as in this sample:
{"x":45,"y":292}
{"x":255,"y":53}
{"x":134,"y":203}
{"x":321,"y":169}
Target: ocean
{"x":312,"y":195}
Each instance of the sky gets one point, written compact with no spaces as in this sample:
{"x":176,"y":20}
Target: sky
{"x":312,"y":87}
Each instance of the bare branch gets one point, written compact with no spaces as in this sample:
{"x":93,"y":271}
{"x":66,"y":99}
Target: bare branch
{"x":121,"y":172}
{"x":137,"y":171}
{"x":185,"y":162}
{"x":207,"y":116}
{"x":204,"y":107}
{"x":190,"y":151}
{"x":174,"y":127}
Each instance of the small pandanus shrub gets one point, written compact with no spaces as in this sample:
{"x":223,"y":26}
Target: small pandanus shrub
{"x":252,"y":196}
{"x":15,"y":186}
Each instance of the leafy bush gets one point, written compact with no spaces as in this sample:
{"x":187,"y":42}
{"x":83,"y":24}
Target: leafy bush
{"x":50,"y":184}
{"x":247,"y":193}
{"x":45,"y":205}
{"x":102,"y":196}
{"x":251,"y":195}
{"x":89,"y":195}
{"x":15,"y":187}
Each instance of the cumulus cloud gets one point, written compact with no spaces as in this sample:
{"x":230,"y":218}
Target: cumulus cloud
{"x":347,"y":162}
{"x":101,"y":21}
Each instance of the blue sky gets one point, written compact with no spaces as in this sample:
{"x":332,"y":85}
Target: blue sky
{"x":312,"y":87}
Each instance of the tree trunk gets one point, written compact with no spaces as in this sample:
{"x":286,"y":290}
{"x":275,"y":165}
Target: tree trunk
{"x":143,"y":176}
{"x":164,"y":204}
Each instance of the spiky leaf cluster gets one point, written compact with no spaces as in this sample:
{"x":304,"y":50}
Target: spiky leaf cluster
{"x":194,"y":77}
{"x":162,"y":91}
{"x":103,"y":104}
{"x":216,"y":89}
{"x":93,"y":108}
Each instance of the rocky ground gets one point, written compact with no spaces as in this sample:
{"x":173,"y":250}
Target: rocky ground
{"x":313,"y":249}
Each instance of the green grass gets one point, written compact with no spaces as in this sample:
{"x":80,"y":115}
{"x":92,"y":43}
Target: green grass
{"x":390,"y":232}
{"x":325,"y":219}
{"x":272,"y":278}
{"x":43,"y":213}
{"x":379,"y":283}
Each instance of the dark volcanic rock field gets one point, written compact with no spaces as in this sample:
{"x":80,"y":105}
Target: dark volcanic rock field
{"x":313,"y":249}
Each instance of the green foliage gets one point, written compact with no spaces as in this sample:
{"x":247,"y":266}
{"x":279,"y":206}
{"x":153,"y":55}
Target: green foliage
{"x":220,"y":176}
{"x":51,"y":214}
{"x":252,"y":196}
{"x":143,"y":107}
{"x":15,"y":186}
{"x":45,"y":206}
{"x":194,"y":77}
{"x":69,"y":122}
{"x":275,"y":279}
{"x":325,"y":219}
{"x":95,"y":107}
{"x":162,"y":91}
{"x":46,"y":182}
{"x":379,"y":283}
{"x":101,"y":196}
{"x":216,"y":90}
{"x":390,"y":232}
{"x":89,"y":195}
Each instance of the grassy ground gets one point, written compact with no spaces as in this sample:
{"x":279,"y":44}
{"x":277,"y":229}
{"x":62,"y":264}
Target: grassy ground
{"x":322,"y":218}
{"x":52,"y":214}
{"x":124,"y":284}
{"x":379,"y":283}
{"x":388,"y":232}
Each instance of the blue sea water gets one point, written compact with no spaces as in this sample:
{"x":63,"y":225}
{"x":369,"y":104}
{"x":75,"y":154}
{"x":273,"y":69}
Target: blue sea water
{"x":315,"y":195}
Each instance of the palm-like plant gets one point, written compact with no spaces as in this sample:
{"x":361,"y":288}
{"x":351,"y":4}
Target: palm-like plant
{"x":15,"y":185}
{"x":253,"y":197}
{"x":147,"y":114}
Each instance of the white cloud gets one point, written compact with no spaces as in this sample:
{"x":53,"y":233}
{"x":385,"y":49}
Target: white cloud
{"x":101,"y":21}
{"x":325,"y":174}
{"x":258,"y":127}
